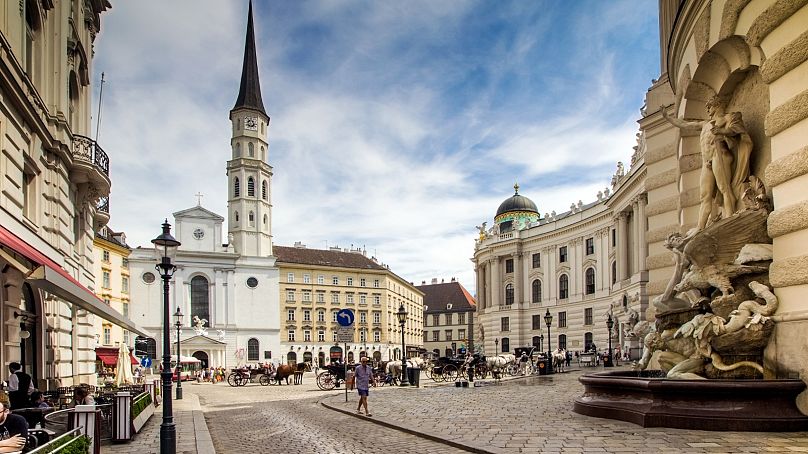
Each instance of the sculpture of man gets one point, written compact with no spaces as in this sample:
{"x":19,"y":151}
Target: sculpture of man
{"x":725,"y":151}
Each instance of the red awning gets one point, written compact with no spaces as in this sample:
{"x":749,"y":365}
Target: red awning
{"x":52,"y":278}
{"x":109,"y":356}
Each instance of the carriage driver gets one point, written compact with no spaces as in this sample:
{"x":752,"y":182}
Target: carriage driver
{"x":364,"y":375}
{"x":523,"y":363}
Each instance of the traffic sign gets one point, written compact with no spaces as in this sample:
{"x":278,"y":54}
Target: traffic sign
{"x":345,"y":334}
{"x":345,"y":317}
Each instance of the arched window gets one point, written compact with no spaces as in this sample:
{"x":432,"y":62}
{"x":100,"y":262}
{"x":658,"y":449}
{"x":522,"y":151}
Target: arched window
{"x":252,"y":350}
{"x":509,"y":294}
{"x":236,"y":215}
{"x":200,"y":303}
{"x":587,"y":342}
{"x":537,"y":342}
{"x":264,"y":190}
{"x":263,"y":154}
{"x":236,"y":187}
{"x":563,"y":287}
{"x":506,"y":345}
{"x":291,"y":358}
{"x":250,"y":187}
{"x":251,"y":218}
{"x":265,"y":220}
{"x":536,"y":291}
{"x":250,"y":149}
{"x":238,"y":150}
{"x":590,"y":281}
{"x":614,"y":273}
{"x":562,"y":341}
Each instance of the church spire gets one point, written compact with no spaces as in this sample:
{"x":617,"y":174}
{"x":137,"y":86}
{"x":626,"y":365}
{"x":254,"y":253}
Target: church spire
{"x":249,"y":93}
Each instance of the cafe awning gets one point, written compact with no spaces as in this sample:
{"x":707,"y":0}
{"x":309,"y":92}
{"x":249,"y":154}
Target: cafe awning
{"x":109,"y":356}
{"x":52,"y":278}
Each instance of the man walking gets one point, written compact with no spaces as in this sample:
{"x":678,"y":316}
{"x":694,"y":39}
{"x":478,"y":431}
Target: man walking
{"x":364,"y":374}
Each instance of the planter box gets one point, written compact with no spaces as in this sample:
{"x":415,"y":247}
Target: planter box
{"x":144,"y":416}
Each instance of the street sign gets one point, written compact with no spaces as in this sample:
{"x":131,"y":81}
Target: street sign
{"x":345,"y":334}
{"x":345,"y":317}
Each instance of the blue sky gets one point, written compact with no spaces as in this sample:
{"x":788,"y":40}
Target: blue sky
{"x":395,"y":126}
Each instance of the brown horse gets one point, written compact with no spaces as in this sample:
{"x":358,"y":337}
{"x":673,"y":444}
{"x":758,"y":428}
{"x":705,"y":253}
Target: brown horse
{"x":284,"y":371}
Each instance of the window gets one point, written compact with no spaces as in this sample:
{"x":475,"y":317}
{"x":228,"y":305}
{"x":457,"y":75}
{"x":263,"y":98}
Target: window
{"x":562,"y":341}
{"x":125,"y":309}
{"x":290,"y":315}
{"x":509,"y":266}
{"x":588,"y":316}
{"x":461,"y":334}
{"x":306,"y":296}
{"x":334,"y":316}
{"x":307,"y":316}
{"x":264,"y":190}
{"x":251,"y":218}
{"x":426,"y":336}
{"x":125,"y":263}
{"x":375,"y":283}
{"x":252,"y":349}
{"x":105,"y":282}
{"x":250,"y":186}
{"x":306,"y":336}
{"x":536,"y":321}
{"x":506,"y":345}
{"x":377,"y":336}
{"x":537,"y":260}
{"x":448,"y":334}
{"x":290,"y":295}
{"x":321,"y":316}
{"x":307,"y":278}
{"x":536,"y":291}
{"x":590,"y":246}
{"x":320,"y":279}
{"x":363,"y":317}
{"x":235,"y":214}
{"x":238,"y":146}
{"x":363,"y":336}
{"x":290,"y":277}
{"x":587,"y":342}
{"x":251,"y":149}
{"x":148,"y":277}
{"x":124,"y":284}
{"x":435,"y":336}
{"x":435,"y":319}
{"x":334,"y":280}
{"x":363,"y":299}
{"x":537,"y":342}
{"x":562,"y":254}
{"x":105,"y":256}
{"x":320,"y":336}
{"x":461,"y":318}
{"x":290,"y":335}
{"x":614,"y":273}
{"x":126,"y":337}
{"x":590,"y":281}
{"x":107,"y":335}
{"x":362,"y":282}
{"x":563,"y":287}
{"x":236,"y":188}
{"x":200,"y":294}
{"x":320,"y":297}
{"x":335,"y":298}
{"x":377,"y":299}
{"x":106,"y":301}
{"x":562,"y":319}
{"x":377,"y":317}
{"x":29,"y":196}
{"x":349,"y":298}
{"x":509,"y":294}
{"x":349,"y":281}
{"x":334,"y":336}
{"x":505,"y":324}
{"x":614,"y":237}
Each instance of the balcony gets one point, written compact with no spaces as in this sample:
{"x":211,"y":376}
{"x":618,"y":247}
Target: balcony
{"x":87,"y":151}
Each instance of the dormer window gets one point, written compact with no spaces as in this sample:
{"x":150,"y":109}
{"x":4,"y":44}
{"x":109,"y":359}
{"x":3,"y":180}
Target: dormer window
{"x":449,"y":307}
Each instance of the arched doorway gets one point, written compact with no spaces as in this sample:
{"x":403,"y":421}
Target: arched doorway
{"x":377,"y":356}
{"x":335,"y":353}
{"x":321,"y":359}
{"x":203,"y":357}
{"x":350,"y":357}
{"x":29,"y":347}
{"x":307,"y":357}
{"x":291,"y":358}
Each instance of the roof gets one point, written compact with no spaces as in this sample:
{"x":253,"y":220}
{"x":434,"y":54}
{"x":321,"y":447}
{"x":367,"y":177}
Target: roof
{"x":517,"y":202}
{"x":437,"y":296}
{"x":322,"y":257}
{"x":249,"y":93}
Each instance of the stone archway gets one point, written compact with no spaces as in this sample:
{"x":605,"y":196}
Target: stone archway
{"x":202,"y":357}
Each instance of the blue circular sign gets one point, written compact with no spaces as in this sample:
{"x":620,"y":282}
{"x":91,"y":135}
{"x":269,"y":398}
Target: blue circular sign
{"x":345,"y":317}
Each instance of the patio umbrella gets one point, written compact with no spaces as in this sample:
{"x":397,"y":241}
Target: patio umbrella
{"x":123,"y":370}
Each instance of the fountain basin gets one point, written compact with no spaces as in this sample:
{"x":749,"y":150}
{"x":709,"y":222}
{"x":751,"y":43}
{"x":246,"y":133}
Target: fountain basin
{"x":647,"y":399}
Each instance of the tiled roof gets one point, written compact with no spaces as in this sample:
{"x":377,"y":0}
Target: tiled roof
{"x":437,"y":296}
{"x":323,"y":257}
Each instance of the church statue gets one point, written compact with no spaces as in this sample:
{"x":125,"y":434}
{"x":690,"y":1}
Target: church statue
{"x":481,"y":229}
{"x":199,"y":326}
{"x":725,"y":150}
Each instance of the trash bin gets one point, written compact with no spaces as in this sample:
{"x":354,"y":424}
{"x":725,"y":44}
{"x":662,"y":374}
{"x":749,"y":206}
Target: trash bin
{"x":414,"y":376}
{"x":542,"y":365}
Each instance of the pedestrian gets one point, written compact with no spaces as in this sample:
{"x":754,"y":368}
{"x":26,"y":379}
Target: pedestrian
{"x":523,"y":363}
{"x":364,"y":375}
{"x":20,"y":386}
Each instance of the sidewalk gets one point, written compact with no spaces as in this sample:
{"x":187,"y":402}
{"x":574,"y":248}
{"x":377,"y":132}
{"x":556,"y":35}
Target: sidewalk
{"x":192,"y":432}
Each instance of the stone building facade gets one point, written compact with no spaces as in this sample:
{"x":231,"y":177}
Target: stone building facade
{"x":315,"y":284}
{"x":448,"y":318}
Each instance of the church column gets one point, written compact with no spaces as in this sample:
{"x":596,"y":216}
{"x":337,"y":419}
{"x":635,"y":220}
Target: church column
{"x":635,"y":237}
{"x":622,"y":246}
{"x":642,"y":246}
{"x":496,"y":283}
{"x":518,"y":285}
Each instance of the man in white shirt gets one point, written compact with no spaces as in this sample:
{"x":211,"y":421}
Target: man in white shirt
{"x":20,"y":386}
{"x":364,"y":375}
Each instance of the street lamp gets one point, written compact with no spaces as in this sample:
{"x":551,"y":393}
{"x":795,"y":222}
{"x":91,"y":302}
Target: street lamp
{"x":178,"y":324}
{"x":496,"y":346}
{"x":541,"y":342}
{"x":609,"y":325}
{"x":548,"y":320}
{"x":402,"y":318}
{"x":165,"y":247}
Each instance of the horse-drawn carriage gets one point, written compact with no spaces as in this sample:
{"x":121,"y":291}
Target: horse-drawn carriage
{"x":331,"y":376}
{"x":241,"y":376}
{"x":447,"y":368}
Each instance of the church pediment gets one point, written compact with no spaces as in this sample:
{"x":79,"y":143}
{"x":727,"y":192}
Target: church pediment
{"x":201,"y":341}
{"x":198,"y":212}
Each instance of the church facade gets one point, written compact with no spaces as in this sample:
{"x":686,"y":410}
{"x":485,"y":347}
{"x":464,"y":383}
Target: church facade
{"x":226,"y":283}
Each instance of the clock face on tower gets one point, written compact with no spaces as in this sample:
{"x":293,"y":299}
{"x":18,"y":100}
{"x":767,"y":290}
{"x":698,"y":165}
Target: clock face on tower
{"x":199,"y":234}
{"x":251,"y":123}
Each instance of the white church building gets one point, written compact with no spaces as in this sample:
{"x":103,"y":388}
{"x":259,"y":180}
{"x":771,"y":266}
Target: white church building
{"x":226,"y":282}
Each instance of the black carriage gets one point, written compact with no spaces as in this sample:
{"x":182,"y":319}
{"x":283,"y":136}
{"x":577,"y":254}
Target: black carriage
{"x":331,"y":376}
{"x":242,"y":376}
{"x":447,"y":368}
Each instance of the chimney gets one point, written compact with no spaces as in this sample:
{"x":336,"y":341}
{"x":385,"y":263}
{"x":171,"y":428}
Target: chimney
{"x":423,"y":282}
{"x":454,"y":280}
{"x":441,"y":281}
{"x":300,"y":245}
{"x":434,"y":280}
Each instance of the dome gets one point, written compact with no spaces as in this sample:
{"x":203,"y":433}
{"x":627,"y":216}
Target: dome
{"x":517,"y":203}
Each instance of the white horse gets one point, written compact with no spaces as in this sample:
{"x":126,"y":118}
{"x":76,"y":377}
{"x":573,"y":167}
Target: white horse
{"x":500,"y":362}
{"x":559,"y":359}
{"x":394,"y":367}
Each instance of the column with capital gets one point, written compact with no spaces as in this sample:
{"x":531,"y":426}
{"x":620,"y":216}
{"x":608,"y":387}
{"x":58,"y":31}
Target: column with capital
{"x":622,"y":246}
{"x":518,"y":285}
{"x":642,"y":222}
{"x":635,"y":236}
{"x":479,"y":271}
{"x":575,"y":264}
{"x":496,"y":283}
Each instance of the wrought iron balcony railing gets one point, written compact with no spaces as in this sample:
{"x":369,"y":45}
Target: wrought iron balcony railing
{"x":103,"y":205}
{"x":87,"y":150}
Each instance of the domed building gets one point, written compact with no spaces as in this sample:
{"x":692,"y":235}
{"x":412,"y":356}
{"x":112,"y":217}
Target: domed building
{"x":515,"y":212}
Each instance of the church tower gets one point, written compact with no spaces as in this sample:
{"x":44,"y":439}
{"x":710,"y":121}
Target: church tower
{"x":249,"y":175}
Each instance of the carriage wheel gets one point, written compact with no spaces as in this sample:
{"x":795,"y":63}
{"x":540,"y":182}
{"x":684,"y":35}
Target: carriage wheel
{"x":450,"y":372}
{"x":512,"y":369}
{"x":240,"y":380}
{"x":325,"y":381}
{"x":265,"y":380}
{"x":232,"y":379}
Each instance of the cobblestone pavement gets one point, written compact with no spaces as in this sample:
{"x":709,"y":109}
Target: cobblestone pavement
{"x":535,"y":415}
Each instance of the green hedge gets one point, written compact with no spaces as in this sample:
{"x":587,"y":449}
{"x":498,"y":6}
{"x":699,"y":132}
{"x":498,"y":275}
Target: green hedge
{"x":140,"y":403}
{"x":79,"y":444}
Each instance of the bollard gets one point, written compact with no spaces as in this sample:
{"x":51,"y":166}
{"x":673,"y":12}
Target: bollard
{"x":88,"y":419}
{"x":122,"y":417}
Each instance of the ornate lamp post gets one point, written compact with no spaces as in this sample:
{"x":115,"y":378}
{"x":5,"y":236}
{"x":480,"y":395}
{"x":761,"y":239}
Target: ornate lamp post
{"x":402,"y":318}
{"x":496,"y":346}
{"x":178,"y":324}
{"x":165,"y":247}
{"x":609,"y":324}
{"x":548,"y":320}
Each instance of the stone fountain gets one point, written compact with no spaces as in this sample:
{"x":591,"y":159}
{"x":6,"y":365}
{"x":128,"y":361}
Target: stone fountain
{"x":712,"y":322}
